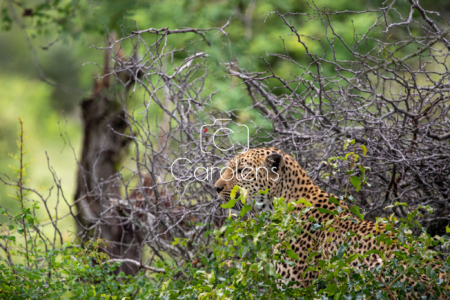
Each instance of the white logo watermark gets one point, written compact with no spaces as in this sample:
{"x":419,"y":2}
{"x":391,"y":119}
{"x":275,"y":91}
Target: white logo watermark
{"x":210,"y":171}
{"x":221,"y":138}
{"x":223,"y":131}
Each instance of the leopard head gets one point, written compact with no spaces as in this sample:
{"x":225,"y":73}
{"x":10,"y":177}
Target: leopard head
{"x":255,"y":170}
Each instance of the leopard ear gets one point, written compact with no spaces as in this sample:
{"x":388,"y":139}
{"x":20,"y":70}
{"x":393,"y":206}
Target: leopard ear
{"x":275,"y":161}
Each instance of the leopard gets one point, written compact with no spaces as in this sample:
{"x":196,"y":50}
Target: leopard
{"x":277,"y":173}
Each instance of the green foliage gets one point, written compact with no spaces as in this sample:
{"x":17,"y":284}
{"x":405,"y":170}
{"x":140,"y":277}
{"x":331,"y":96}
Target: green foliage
{"x":32,"y":266}
{"x":56,"y":273}
{"x":241,"y":266}
{"x":355,"y":171}
{"x":240,"y":263}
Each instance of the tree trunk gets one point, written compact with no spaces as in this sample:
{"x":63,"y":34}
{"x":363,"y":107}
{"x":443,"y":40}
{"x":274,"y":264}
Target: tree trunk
{"x":104,"y":147}
{"x":103,"y":150}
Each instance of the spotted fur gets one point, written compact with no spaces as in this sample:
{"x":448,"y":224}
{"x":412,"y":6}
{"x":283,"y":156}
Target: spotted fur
{"x":262,"y":168}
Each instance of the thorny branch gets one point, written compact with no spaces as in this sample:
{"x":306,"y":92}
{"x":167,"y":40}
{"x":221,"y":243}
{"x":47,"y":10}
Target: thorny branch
{"x":390,"y":94}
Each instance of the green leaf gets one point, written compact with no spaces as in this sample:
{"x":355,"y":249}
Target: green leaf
{"x":292,"y":254}
{"x":373,"y":251}
{"x":271,"y":269}
{"x":447,"y":229}
{"x":356,"y":212}
{"x":306,"y":203}
{"x":356,"y":182}
{"x":244,"y":210}
{"x":229,"y":204}
{"x":334,"y":200}
{"x":324,"y":211}
{"x":233,"y":192}
{"x":211,"y":277}
{"x":254,"y":267}
{"x":264,"y":192}
{"x":428,"y":270}
{"x":364,"y":149}
{"x":331,"y":288}
{"x":397,"y":204}
{"x":401,"y":238}
{"x":363,"y":170}
{"x":245,"y":250}
{"x":341,"y":251}
{"x":354,"y":156}
{"x":414,"y":260}
{"x":2,"y":211}
{"x":316,"y":226}
{"x":347,"y":142}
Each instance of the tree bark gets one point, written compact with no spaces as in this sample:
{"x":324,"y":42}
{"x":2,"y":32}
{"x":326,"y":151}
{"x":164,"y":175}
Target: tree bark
{"x":103,"y":150}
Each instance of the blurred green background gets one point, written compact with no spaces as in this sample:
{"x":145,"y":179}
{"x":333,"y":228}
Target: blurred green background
{"x":51,"y":39}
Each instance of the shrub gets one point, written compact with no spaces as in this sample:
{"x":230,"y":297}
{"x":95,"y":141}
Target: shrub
{"x":239,"y":264}
{"x":242,"y":262}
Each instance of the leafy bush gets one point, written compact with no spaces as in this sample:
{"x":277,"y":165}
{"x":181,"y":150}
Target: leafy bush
{"x":36,"y":265}
{"x":242,"y":264}
{"x":239,"y":264}
{"x":243,"y":258}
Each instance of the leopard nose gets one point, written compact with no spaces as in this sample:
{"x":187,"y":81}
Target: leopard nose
{"x":219,"y":189}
